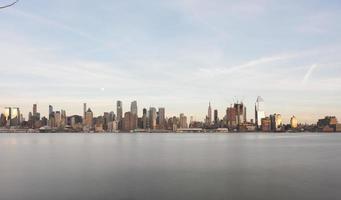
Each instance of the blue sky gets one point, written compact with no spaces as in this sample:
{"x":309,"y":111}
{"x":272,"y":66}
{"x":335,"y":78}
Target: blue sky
{"x":178,"y":54}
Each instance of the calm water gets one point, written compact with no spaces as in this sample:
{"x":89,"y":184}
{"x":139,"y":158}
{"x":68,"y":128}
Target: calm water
{"x":170,"y":166}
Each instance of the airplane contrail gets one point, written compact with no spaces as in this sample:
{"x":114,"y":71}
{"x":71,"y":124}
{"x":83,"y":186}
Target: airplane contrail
{"x":308,"y":74}
{"x":9,"y":5}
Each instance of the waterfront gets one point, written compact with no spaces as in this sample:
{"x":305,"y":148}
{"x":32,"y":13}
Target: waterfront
{"x":170,"y":166}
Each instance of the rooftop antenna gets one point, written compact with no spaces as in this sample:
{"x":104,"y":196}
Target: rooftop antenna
{"x":9,"y":5}
{"x":234,"y":99}
{"x":243,"y":98}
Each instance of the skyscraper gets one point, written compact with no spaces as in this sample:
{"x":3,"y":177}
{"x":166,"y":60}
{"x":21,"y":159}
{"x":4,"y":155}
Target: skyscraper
{"x":119,"y":110}
{"x":133,"y":108}
{"x":152,"y":118}
{"x":12,"y":115}
{"x":89,"y":119}
{"x":3,"y":120}
{"x":50,"y":110}
{"x":129,"y":121}
{"x":259,"y":112}
{"x":191,"y":120}
{"x":34,"y":109}
{"x":293,"y":122}
{"x":216,"y":119}
{"x":35,"y":116}
{"x":8,"y":113}
{"x":231,"y":113}
{"x":240,"y":113}
{"x":209,"y":114}
{"x":276,"y":122}
{"x":162,"y":118}
{"x":58,"y":118}
{"x":145,"y":122}
{"x":63,"y":118}
{"x":84,"y":112}
{"x":18,"y":116}
{"x":183,"y":121}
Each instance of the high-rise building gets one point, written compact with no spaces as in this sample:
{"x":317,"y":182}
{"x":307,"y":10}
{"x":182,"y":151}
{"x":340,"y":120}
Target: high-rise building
{"x":276,"y":122}
{"x":216,"y":118}
{"x":162,"y":119}
{"x":145,"y":122}
{"x":293,"y":122}
{"x":3,"y":120}
{"x":129,"y":121}
{"x":63,"y":118}
{"x":98,"y":124}
{"x":58,"y":119}
{"x":106,"y":120}
{"x":50,"y":109}
{"x":152,"y":118}
{"x":75,"y":122}
{"x":259,"y":112}
{"x":112,"y":126}
{"x":36,"y":115}
{"x":112,"y":116}
{"x":52,"y":119}
{"x":8,"y":113}
{"x":34,"y":109}
{"x":240,"y":113}
{"x":209,"y":114}
{"x":174,"y":123}
{"x":18,"y":117}
{"x":183,"y":121}
{"x":133,"y":108}
{"x":119,"y":110}
{"x":231,"y":118}
{"x":89,"y":119}
{"x":133,"y":111}
{"x":12,"y":115}
{"x":84,"y":112}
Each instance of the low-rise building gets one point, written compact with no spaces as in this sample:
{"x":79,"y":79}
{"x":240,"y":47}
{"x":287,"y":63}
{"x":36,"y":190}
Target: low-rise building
{"x":327,"y":124}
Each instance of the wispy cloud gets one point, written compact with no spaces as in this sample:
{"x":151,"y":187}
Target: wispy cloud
{"x":249,"y":64}
{"x":309,"y":73}
{"x":46,"y":21}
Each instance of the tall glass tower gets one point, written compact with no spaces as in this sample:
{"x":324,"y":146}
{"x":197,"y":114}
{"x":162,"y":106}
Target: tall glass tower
{"x":133,"y":108}
{"x":259,"y":111}
{"x":119,"y":110}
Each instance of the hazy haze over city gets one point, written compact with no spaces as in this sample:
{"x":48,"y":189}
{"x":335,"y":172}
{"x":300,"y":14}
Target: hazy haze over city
{"x":178,"y":54}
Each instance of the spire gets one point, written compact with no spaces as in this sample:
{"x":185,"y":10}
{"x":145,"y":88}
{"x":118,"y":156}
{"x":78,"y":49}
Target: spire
{"x":260,"y":99}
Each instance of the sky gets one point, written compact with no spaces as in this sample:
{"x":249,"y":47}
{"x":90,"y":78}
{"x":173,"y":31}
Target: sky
{"x":178,"y":54}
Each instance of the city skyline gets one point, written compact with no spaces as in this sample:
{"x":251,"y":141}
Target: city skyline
{"x":198,"y":115}
{"x":156,"y":119}
{"x":181,"y":53}
{"x":119,"y":108}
